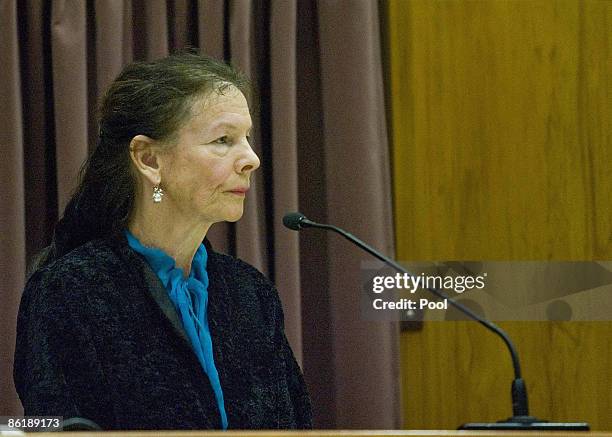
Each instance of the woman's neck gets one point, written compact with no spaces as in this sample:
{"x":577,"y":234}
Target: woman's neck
{"x":178,"y":238}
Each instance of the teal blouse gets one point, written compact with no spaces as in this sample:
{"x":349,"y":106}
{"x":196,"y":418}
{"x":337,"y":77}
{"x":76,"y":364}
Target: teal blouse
{"x":190,"y":298}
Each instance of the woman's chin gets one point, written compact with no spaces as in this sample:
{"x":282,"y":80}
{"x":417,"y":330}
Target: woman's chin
{"x":234,"y":217}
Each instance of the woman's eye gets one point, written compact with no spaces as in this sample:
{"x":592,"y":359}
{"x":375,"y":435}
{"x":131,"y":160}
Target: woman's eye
{"x":222,"y":140}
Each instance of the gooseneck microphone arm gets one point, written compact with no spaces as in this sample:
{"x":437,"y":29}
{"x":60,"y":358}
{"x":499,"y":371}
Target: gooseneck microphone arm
{"x":520,"y":408}
{"x":297,"y":221}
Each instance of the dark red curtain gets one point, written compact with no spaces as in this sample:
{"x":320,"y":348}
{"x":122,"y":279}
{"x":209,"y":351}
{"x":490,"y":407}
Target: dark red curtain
{"x":320,"y":133}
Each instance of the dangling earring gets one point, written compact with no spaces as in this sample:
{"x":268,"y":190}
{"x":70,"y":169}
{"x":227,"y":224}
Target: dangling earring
{"x":158,"y":193}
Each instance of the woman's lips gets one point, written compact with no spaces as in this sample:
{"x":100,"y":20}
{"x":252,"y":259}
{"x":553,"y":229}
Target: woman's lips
{"x":239,"y":191}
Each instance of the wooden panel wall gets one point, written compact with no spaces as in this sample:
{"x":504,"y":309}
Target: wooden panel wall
{"x":501,"y":114}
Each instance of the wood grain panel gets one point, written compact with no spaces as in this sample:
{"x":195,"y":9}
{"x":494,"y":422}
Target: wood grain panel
{"x":501,"y":128}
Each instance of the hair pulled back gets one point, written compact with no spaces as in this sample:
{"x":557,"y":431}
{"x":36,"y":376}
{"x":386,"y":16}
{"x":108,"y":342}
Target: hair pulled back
{"x":148,"y":98}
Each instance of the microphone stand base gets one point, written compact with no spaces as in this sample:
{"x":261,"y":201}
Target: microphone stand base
{"x":527,"y":423}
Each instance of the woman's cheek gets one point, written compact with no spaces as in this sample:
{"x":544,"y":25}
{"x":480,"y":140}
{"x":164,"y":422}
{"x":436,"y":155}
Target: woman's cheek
{"x":219,"y":173}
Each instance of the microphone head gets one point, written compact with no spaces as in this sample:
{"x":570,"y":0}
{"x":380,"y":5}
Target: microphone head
{"x":293,"y":220}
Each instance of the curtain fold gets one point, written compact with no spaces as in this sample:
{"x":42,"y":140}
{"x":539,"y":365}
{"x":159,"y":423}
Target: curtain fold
{"x":318,"y":333}
{"x":182,"y":24}
{"x":111,"y":36}
{"x":69,"y":64}
{"x":283,"y":113}
{"x":37,"y":125}
{"x":154,"y":27}
{"x":319,"y":129}
{"x":211,"y":27}
{"x":353,"y":129}
{"x":12,"y":221}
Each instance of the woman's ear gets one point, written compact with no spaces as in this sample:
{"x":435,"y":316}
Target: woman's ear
{"x":144,"y":154}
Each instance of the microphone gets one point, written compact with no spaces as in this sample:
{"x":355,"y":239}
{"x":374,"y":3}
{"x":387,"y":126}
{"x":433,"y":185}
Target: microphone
{"x":296,"y":221}
{"x":520,"y":420}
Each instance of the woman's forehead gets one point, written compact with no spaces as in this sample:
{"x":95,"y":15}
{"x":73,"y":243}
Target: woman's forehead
{"x":226,"y":96}
{"x":221,"y":111}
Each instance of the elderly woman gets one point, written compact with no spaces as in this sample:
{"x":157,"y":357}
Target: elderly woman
{"x":131,"y":319}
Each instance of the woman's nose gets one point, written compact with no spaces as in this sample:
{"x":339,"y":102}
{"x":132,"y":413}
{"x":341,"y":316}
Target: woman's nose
{"x":248,"y":162}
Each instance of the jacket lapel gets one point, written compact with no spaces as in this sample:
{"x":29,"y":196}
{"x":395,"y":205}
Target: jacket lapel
{"x":160,"y":295}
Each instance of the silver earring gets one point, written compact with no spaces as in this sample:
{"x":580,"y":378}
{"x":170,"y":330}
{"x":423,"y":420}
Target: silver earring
{"x":158,"y":193}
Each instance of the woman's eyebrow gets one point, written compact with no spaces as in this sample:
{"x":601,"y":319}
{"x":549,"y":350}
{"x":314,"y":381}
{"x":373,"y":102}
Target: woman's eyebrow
{"x":228,"y":125}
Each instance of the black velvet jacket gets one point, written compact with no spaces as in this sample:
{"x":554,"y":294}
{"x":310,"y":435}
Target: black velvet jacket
{"x":98,"y":337}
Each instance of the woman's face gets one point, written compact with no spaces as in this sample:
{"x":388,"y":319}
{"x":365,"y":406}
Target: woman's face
{"x":206,"y":175}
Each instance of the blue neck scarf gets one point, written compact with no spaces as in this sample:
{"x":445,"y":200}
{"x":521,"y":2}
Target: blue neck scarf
{"x":190,"y":298}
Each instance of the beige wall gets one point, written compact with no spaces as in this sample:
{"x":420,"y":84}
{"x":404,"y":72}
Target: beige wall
{"x":502,"y":150}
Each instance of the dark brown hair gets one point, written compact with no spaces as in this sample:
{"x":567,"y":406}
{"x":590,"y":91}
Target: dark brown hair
{"x":148,"y":98}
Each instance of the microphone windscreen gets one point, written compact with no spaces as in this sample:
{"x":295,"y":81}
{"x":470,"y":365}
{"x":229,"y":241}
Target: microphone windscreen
{"x":292,"y":220}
